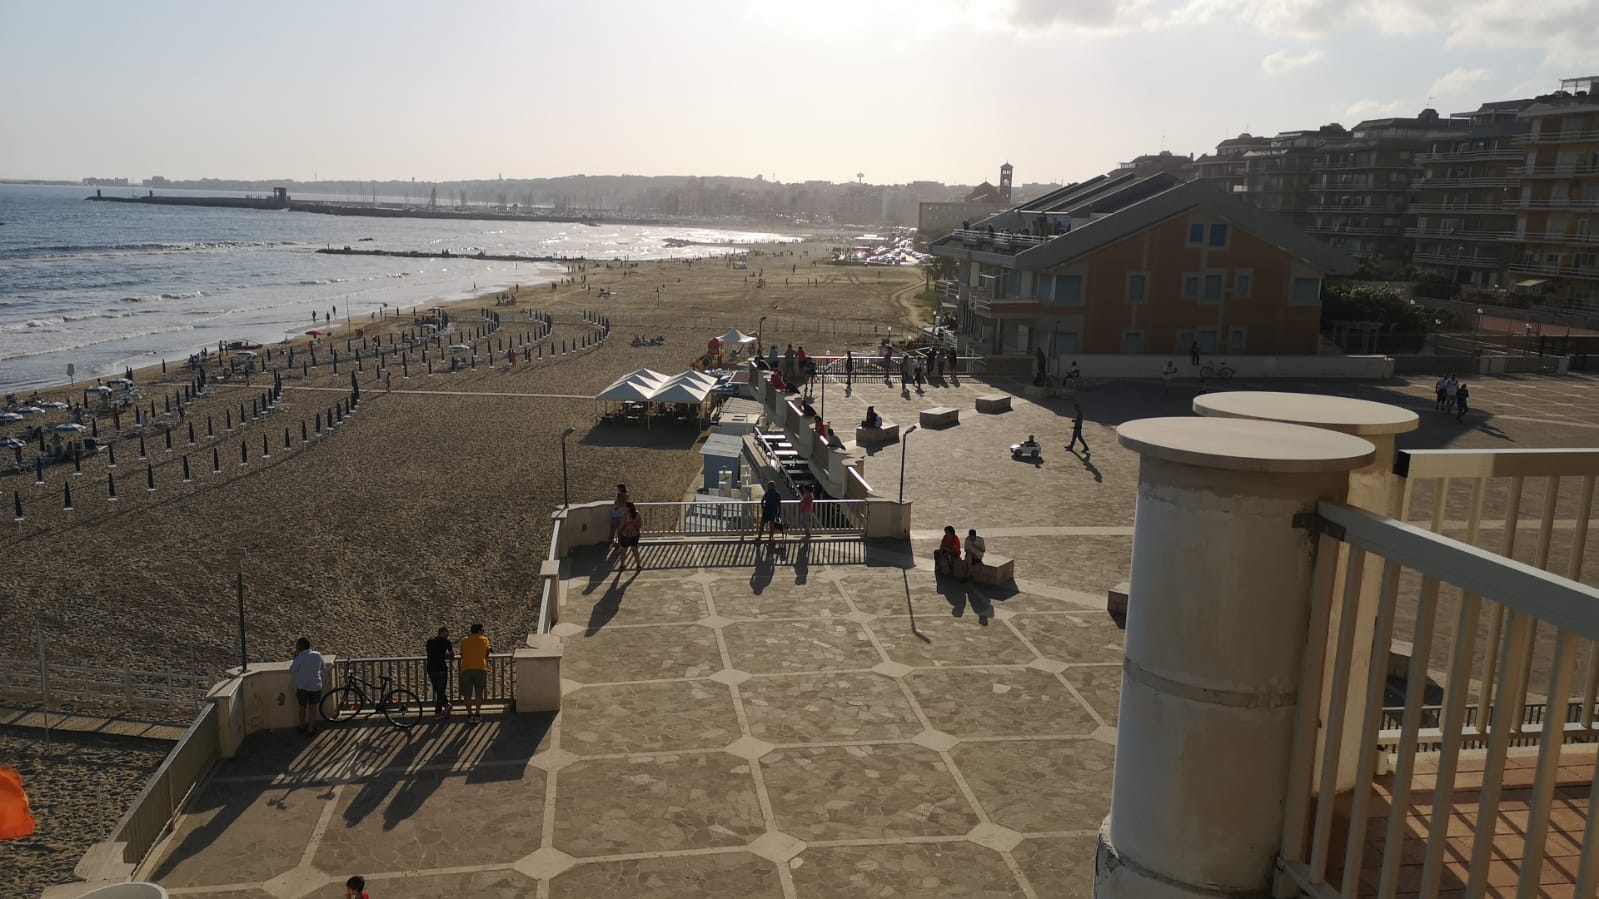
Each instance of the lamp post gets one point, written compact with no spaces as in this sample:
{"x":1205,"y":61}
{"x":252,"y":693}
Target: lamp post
{"x":1479,"y":319}
{"x":760,"y":337}
{"x":236,"y":555}
{"x":566,"y":496}
{"x":903,"y":441}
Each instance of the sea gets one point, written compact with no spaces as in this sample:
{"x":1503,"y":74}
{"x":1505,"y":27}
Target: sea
{"x":104,"y":286}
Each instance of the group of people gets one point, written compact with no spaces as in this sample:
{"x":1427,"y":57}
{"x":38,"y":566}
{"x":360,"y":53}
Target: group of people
{"x":772,"y":511}
{"x":626,"y":527}
{"x":1453,"y":396}
{"x":956,"y":559}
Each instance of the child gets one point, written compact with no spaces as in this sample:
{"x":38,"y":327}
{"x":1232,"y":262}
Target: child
{"x":355,"y":888}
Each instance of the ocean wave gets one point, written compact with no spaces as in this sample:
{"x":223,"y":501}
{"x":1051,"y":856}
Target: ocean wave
{"x":54,"y":251}
{"x":111,"y":338}
{"x":149,"y":298}
{"x":31,"y":324}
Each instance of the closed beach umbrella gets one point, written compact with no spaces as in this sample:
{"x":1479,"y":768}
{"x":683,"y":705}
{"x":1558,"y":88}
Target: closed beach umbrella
{"x":244,"y":453}
{"x":169,"y":441}
{"x":111,"y":456}
{"x":286,"y":443}
{"x":191,"y":433}
{"x":149,"y":478}
{"x":38,"y":471}
{"x":302,"y":430}
{"x":186,"y":478}
{"x":142,"y":454}
{"x":66,"y":494}
{"x":111,"y":487}
{"x":77,"y":461}
{"x":227,"y":421}
{"x":266,"y":453}
{"x":16,"y":497}
{"x":216,"y":461}
{"x":94,"y":427}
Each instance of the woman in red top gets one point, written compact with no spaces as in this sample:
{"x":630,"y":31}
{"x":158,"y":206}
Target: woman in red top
{"x":948,"y":554}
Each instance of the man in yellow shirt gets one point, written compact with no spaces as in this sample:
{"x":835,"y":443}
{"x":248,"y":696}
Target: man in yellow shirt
{"x":475,"y":670}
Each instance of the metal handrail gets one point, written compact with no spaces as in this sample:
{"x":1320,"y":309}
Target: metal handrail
{"x":741,"y":517}
{"x":410,"y":673}
{"x":184,"y":767}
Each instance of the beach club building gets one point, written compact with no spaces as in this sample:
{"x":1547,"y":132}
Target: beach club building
{"x":1124,"y":264}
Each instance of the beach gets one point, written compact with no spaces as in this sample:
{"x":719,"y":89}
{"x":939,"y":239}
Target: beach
{"x":429,"y":507}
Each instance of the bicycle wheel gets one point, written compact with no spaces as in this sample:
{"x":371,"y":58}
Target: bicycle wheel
{"x":342,"y":704}
{"x":402,"y":708}
{"x":1225,"y":372}
{"x":1206,"y":372}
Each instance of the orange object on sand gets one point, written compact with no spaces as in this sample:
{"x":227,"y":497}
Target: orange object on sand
{"x":15,"y":820}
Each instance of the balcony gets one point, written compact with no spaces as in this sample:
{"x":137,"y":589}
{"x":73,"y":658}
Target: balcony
{"x":1557,"y":137}
{"x":1395,"y":187}
{"x":1553,"y":204}
{"x":1555,"y":170}
{"x":997,"y":241}
{"x":1354,"y":232}
{"x":1460,"y":261}
{"x":1553,"y":237}
{"x":1426,"y":183}
{"x":1507,"y":154}
{"x":1458,"y":234}
{"x":1488,"y":208}
{"x":1581,"y":272}
{"x":1381,"y":164}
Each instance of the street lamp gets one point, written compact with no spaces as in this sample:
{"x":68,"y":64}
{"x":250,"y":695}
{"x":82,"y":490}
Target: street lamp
{"x":1479,"y":319}
{"x":236,"y":555}
{"x":760,"y":336}
{"x":903,"y":440}
{"x":566,"y":496}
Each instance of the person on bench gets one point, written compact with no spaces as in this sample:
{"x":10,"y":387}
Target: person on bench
{"x":947,"y":558}
{"x":975,"y":547}
{"x":1027,"y":449}
{"x":1074,"y":376}
{"x":872,"y":419}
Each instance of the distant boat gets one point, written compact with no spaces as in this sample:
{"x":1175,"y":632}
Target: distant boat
{"x":243,"y":345}
{"x":363,"y":239}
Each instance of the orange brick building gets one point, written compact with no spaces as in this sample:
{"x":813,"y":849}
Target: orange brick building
{"x":1139,"y":265}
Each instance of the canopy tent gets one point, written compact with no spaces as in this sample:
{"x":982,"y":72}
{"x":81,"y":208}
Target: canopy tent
{"x":688,"y":387}
{"x":735,"y":336}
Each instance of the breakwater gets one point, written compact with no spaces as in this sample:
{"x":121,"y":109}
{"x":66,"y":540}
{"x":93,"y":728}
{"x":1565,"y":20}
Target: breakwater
{"x":378,"y":210}
{"x":446,"y":254}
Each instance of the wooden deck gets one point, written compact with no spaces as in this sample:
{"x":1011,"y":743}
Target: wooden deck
{"x":1562,"y":848}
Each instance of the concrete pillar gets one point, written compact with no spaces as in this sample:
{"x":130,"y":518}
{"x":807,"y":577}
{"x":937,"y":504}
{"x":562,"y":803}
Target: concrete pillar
{"x":1216,"y":629}
{"x":1372,"y":487}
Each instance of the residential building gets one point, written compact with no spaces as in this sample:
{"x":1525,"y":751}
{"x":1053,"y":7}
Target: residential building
{"x":1129,"y":264}
{"x":1227,"y":168}
{"x":936,"y":219}
{"x":1556,"y":243}
{"x":1459,"y":221}
{"x":1278,"y":177}
{"x":1164,"y":162}
{"x":1360,"y":185}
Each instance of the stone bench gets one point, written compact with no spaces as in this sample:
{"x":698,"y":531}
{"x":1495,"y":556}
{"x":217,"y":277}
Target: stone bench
{"x":994,"y":402}
{"x":940,"y":417}
{"x":1116,"y":599}
{"x":994,"y":570}
{"x":888,"y":433}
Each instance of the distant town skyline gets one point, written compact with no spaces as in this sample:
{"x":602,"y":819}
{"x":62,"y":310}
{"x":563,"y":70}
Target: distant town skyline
{"x":898,"y":91}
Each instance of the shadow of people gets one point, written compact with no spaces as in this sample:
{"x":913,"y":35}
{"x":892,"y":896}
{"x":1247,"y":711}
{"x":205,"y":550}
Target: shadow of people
{"x":961,"y":595}
{"x":802,"y":562}
{"x":603,"y":567}
{"x":765,"y":567}
{"x":610,"y":603}
{"x":1090,"y":467}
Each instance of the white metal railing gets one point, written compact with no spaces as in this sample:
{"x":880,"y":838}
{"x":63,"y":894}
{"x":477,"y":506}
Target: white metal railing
{"x":1547,"y":137}
{"x":52,"y":684}
{"x":729,"y":518}
{"x":410,"y":673}
{"x":999,"y":240}
{"x":1552,"y":237}
{"x":1565,"y":271}
{"x":1505,"y":633}
{"x":188,"y":762}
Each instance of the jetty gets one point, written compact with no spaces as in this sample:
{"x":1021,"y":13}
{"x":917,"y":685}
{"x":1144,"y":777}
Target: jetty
{"x":446,"y":254}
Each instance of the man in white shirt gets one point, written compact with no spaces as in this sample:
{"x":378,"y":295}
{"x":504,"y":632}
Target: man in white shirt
{"x":1166,"y":376}
{"x":306,"y":669}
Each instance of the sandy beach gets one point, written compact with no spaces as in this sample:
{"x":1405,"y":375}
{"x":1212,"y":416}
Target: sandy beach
{"x":429,"y":507}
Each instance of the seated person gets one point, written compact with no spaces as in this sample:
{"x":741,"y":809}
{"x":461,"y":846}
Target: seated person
{"x":777,"y":381}
{"x":947,"y":558}
{"x":1074,"y":374}
{"x":975,"y":547}
{"x":872,"y":419}
{"x":1028,"y":448}
{"x":821,"y":430}
{"x":807,"y":410}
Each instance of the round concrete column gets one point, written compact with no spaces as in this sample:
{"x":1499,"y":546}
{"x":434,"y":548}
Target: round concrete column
{"x":1215,"y":639}
{"x":1372,"y":487}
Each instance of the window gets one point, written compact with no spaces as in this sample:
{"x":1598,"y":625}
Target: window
{"x":1236,"y":338}
{"x":1011,"y":284}
{"x":1196,"y":234}
{"x":1243,"y":282}
{"x":1207,"y":340}
{"x":1307,"y":292}
{"x":1069,"y":289}
{"x":1137,"y":283}
{"x":1218,"y":235}
{"x":1190,"y":287}
{"x":1213,"y":285}
{"x":1045,"y":286}
{"x":1185,"y":340}
{"x":1132,"y":342}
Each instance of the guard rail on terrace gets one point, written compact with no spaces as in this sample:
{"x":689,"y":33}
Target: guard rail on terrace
{"x":1510,"y":644}
{"x":999,"y":241}
{"x":50,"y":684}
{"x":166,"y":790}
{"x":729,"y":518}
{"x":410,"y":672}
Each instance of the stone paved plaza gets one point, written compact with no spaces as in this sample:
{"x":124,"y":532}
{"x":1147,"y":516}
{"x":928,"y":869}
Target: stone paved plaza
{"x":801,"y":719}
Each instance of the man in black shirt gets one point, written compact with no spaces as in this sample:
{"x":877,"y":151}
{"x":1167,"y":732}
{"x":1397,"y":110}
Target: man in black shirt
{"x":440,"y":651}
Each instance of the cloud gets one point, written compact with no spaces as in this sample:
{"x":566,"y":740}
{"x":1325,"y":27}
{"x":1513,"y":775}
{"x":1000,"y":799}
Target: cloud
{"x":1459,"y":82}
{"x":1375,"y":109}
{"x":1286,"y":60}
{"x":1081,"y":15}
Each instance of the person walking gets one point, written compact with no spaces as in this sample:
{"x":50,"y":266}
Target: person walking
{"x":1441,"y":388}
{"x":1193,"y":353}
{"x":954,"y":366}
{"x":888,"y":362}
{"x":475,"y":651}
{"x":618,"y":507}
{"x":807,"y":506}
{"x":306,"y":669}
{"x":1166,"y":376}
{"x":1462,"y":401}
{"x":628,"y":532}
{"x":849,"y":370}
{"x":1077,"y":430}
{"x":771,"y":511}
{"x":440,"y":652}
{"x":1451,"y":388}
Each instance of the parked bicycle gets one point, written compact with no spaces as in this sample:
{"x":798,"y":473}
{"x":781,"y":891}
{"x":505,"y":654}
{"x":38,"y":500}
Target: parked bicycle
{"x":399,"y":706}
{"x":1216,"y":370}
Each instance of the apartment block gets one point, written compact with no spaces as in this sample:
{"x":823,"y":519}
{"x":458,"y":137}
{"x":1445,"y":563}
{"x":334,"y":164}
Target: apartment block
{"x":1360,"y":185}
{"x":1227,"y":168}
{"x":1460,"y":217}
{"x":1279,"y":176}
{"x":1556,"y":241}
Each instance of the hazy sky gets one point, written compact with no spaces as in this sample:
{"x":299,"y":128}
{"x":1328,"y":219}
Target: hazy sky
{"x":896,"y":89}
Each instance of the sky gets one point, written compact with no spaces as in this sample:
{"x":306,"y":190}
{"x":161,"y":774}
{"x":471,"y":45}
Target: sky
{"x":895,"y":90}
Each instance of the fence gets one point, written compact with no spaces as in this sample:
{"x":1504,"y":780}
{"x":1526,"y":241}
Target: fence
{"x":872,"y":368}
{"x":50,"y":684}
{"x":1434,"y":590}
{"x":410,"y":673}
{"x":164,"y":793}
{"x":738,"y":517}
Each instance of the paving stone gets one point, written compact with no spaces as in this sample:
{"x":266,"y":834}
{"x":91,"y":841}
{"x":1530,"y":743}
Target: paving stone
{"x":693,"y":801}
{"x":943,"y":640}
{"x":864,"y":792}
{"x":904,"y":871}
{"x":884,"y":592}
{"x":1039,"y":785}
{"x":998,"y":702}
{"x":642,"y":653}
{"x":764,"y":647}
{"x":828,"y":707}
{"x":500,"y":884}
{"x":652,"y":599}
{"x":398,"y":821}
{"x":1101,"y":686}
{"x":649,"y":717}
{"x":682,"y":877}
{"x":1075,"y":639}
{"x":738,"y":599}
{"x":232,"y":833}
{"x":1058,"y":868}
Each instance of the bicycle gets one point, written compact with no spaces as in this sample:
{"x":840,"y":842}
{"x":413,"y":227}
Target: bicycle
{"x":1218,"y":370}
{"x":399,"y":706}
